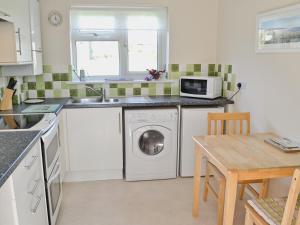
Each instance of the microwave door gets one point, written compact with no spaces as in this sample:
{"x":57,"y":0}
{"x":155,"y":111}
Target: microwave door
{"x":194,"y":86}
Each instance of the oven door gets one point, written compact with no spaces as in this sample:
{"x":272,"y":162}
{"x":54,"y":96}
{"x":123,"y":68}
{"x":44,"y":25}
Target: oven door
{"x":51,"y":149}
{"x":54,"y":192}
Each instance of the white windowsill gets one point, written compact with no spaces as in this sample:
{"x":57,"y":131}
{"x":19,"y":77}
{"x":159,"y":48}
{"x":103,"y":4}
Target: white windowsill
{"x":120,"y":81}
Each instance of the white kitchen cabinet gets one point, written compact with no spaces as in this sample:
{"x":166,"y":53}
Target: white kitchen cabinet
{"x":8,"y":212}
{"x":19,"y":11}
{"x":23,"y":197}
{"x":193,"y":123}
{"x":36,"y":65}
{"x":94,"y":138}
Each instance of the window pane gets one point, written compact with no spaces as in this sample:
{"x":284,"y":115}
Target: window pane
{"x":98,"y":58}
{"x":142,"y":50}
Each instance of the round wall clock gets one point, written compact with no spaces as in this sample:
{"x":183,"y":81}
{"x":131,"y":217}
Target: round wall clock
{"x":55,"y":18}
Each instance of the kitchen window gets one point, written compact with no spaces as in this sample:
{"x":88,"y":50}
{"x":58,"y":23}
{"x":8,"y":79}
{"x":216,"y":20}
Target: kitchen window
{"x":118,"y":43}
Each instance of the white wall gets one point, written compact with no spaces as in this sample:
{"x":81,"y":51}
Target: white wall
{"x":193,"y":28}
{"x":272,"y":93}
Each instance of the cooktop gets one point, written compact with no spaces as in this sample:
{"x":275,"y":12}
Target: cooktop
{"x":19,"y":121}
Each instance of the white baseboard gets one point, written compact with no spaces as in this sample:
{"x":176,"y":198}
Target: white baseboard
{"x":77,"y":176}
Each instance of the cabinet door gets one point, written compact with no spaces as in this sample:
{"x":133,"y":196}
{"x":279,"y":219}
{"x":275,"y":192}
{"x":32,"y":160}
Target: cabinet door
{"x":35,"y":23}
{"x":19,"y":10}
{"x":7,"y":207}
{"x":95,"y":139}
{"x":193,"y":123}
{"x":29,"y":189}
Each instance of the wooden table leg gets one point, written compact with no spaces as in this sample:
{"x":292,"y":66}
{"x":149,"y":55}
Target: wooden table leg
{"x":197,"y":176}
{"x":230,"y":197}
{"x":264,"y":188}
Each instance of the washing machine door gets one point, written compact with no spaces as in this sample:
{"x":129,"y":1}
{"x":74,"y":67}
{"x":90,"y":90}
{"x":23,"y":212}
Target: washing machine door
{"x":152,"y":141}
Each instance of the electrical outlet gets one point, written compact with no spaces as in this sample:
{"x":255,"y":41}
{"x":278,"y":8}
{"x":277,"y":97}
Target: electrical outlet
{"x":243,"y":85}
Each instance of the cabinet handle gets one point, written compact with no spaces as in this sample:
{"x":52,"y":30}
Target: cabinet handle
{"x":38,"y":50}
{"x":120,"y":126}
{"x":37,"y":182}
{"x":36,"y":206}
{"x":18,"y":32}
{"x":34,"y":158}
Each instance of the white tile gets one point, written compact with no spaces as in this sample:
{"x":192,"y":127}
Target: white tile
{"x":48,"y":77}
{"x":56,"y":84}
{"x":31,"y":79}
{"x":48,"y":93}
{"x":32,"y":94}
{"x":129,"y":92}
{"x":65,"y":93}
{"x":159,"y":89}
{"x":144,"y":92}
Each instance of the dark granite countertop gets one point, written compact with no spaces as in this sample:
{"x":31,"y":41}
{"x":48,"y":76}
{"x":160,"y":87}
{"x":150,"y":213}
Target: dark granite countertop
{"x":158,"y":101}
{"x":128,"y":102}
{"x":14,"y":146}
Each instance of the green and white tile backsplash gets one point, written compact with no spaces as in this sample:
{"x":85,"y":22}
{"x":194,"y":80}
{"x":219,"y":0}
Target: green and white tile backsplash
{"x":55,"y":83}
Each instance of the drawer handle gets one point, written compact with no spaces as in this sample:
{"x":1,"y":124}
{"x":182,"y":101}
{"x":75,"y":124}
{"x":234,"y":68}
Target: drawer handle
{"x":34,"y":158}
{"x":37,"y":182}
{"x":18,"y":32}
{"x":36,"y":206}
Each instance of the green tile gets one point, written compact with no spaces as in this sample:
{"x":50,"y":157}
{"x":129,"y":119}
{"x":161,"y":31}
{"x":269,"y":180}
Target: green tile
{"x":211,"y":67}
{"x":39,"y":78}
{"x":113,"y":92}
{"x":65,"y":77}
{"x":56,"y":77}
{"x":152,"y":91}
{"x":219,"y":68}
{"x":189,"y":73}
{"x":15,"y":100}
{"x":47,"y":68}
{"x":226,"y":77}
{"x":40,"y":93}
{"x":113,"y":85}
{"x":57,"y":93}
{"x":31,"y":85}
{"x":190,"y":67}
{"x":228,"y":86}
{"x":125,"y":85}
{"x":197,"y":67}
{"x":89,"y":92}
{"x":64,"y":85}
{"x":40,"y":85}
{"x":167,"y":90}
{"x":174,"y":67}
{"x":48,"y":85}
{"x":145,"y":85}
{"x":175,"y":91}
{"x":228,"y":68}
{"x":74,"y":92}
{"x":121,"y":91}
{"x":136,"y":91}
{"x":174,"y":75}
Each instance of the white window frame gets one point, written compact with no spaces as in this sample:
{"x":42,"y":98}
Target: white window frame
{"x":122,"y":37}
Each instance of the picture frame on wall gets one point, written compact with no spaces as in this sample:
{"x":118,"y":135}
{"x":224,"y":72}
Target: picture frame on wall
{"x":278,"y":30}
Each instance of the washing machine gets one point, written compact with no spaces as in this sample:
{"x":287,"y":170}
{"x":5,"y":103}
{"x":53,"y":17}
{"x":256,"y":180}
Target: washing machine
{"x":150,"y":144}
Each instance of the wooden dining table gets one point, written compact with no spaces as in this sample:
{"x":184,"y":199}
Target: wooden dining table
{"x":240,"y":158}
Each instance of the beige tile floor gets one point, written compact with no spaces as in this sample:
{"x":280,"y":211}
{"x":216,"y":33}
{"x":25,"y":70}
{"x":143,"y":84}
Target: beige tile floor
{"x":136,"y":203}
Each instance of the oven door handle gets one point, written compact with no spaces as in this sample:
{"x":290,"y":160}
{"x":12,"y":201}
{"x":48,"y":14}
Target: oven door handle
{"x":50,"y":134}
{"x":56,"y":173}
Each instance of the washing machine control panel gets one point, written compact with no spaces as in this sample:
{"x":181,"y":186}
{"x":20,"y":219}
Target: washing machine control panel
{"x":154,"y":117}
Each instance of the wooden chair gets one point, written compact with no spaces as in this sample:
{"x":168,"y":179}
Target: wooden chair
{"x":278,"y":211}
{"x":220,"y":124}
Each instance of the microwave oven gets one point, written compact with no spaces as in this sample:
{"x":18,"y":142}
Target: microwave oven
{"x":201,"y":86}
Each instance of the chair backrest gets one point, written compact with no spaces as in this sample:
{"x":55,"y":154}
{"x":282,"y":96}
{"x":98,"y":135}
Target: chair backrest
{"x":292,"y":201}
{"x":226,"y":123}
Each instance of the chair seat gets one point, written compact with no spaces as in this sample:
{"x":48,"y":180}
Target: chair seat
{"x":271,"y":209}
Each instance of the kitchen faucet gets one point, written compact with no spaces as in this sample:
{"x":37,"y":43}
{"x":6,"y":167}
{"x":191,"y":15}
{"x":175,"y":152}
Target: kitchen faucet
{"x":101,"y":93}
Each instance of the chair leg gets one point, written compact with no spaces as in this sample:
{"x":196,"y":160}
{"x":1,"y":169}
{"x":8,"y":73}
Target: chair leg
{"x":242,"y":191}
{"x":221,"y":201}
{"x":206,"y":183}
{"x":248,"y":218}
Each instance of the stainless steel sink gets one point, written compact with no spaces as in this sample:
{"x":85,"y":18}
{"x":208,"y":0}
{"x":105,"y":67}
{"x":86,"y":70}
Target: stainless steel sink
{"x":92,"y":100}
